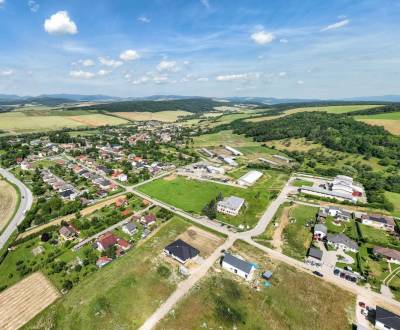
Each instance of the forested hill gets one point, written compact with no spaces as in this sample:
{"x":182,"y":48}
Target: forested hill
{"x":337,"y":132}
{"x":190,"y":105}
{"x":394,"y":107}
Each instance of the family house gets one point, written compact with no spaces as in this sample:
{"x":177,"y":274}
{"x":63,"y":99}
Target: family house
{"x":314,"y":257}
{"x":238,"y":266}
{"x":230,"y":205}
{"x":386,"y":320}
{"x":68,"y":232}
{"x":320,"y":231}
{"x":181,"y":251}
{"x":148,"y":219}
{"x":378,"y":221}
{"x":102,"y":261}
{"x":341,"y":241}
{"x":390,"y":255}
{"x":129,"y":228}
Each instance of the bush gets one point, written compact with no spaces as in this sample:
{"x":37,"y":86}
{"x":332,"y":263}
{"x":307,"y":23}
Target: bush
{"x":163,"y":271}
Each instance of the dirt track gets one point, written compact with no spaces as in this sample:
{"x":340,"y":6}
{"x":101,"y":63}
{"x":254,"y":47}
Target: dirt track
{"x":283,"y":222}
{"x":23,"y":301}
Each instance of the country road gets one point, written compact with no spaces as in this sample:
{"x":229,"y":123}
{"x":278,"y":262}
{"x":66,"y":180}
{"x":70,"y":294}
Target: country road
{"x":25,"y":205}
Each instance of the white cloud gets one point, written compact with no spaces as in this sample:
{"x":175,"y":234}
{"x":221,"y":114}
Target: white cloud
{"x":144,"y":19}
{"x":2,"y":2}
{"x":102,"y":72}
{"x":262,"y":37}
{"x":129,"y":55}
{"x":33,"y":6}
{"x":283,"y":41}
{"x":110,"y":62}
{"x":202,"y":79}
{"x":336,"y":25}
{"x":81,"y":74}
{"x":6,"y":72}
{"x":282,"y":74}
{"x":141,"y":80}
{"x":300,"y":82}
{"x":170,"y":66}
{"x":60,"y":23}
{"x":205,"y":3}
{"x":86,"y":62}
{"x":239,"y":77}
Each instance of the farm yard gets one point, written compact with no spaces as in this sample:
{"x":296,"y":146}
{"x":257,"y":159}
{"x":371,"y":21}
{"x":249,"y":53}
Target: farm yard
{"x":25,"y":122}
{"x":132,"y":287}
{"x":192,"y":195}
{"x":9,"y":199}
{"x":23,"y":301}
{"x":222,"y":299}
{"x":164,"y":116}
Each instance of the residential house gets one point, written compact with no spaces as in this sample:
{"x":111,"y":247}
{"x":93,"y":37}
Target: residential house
{"x":129,"y":228}
{"x":25,"y":165}
{"x":386,"y":320}
{"x":320,"y":231}
{"x":238,"y":266}
{"x":390,"y":255}
{"x":68,"y":194}
{"x":106,"y":241}
{"x":314,"y":257}
{"x":148,"y":219}
{"x":68,"y":232}
{"x":181,"y":251}
{"x":379,"y":221}
{"x":341,"y":241}
{"x":102,"y":261}
{"x":230,"y":205}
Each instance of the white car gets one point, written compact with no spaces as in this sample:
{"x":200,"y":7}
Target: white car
{"x":364,"y":312}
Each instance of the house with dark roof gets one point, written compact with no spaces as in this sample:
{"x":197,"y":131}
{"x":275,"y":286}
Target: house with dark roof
{"x":378,"y":221}
{"x":129,"y":228}
{"x":390,"y":255}
{"x":314,"y":257}
{"x":148,"y":219}
{"x":238,"y":266}
{"x":341,"y":241}
{"x":386,"y":320}
{"x":181,"y":251}
{"x":68,"y":232}
{"x":320,"y":231}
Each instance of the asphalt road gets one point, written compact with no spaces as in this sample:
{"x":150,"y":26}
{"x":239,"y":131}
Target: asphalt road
{"x":25,"y":205}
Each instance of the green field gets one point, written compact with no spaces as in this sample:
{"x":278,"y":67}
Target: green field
{"x":192,"y":195}
{"x":389,"y":116}
{"x":395,"y":199}
{"x":300,"y":183}
{"x":378,"y":236}
{"x":20,"y":122}
{"x":297,"y":237}
{"x":295,"y":300}
{"x":223,"y":138}
{"x":121,"y":295}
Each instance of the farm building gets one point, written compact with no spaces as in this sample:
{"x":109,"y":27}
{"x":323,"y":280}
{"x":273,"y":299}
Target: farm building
{"x":341,"y":241}
{"x":238,"y":266}
{"x":234,"y":152}
{"x":207,"y":152}
{"x":181,"y":251}
{"x":249,"y":178}
{"x":282,"y":158}
{"x":229,"y":161}
{"x":392,"y":256}
{"x":386,"y":320}
{"x":317,"y":191}
{"x":230,"y":205}
{"x":215,"y":170}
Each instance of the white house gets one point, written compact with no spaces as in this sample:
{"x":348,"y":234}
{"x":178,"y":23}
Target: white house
{"x":230,"y":205}
{"x":386,"y":320}
{"x":249,"y":178}
{"x":341,"y":241}
{"x":390,"y":255}
{"x":129,"y":228}
{"x":238,"y":266}
{"x":320,"y":231}
{"x":122,"y":177}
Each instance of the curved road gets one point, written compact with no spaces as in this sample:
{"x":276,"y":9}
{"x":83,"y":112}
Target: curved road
{"x":25,"y":205}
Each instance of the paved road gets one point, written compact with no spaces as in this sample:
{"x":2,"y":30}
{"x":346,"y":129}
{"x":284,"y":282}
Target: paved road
{"x":25,"y":205}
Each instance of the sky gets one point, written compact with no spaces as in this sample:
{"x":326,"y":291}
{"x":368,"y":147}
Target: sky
{"x":217,"y":48}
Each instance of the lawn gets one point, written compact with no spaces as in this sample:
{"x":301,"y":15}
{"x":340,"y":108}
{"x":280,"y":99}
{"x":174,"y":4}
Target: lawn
{"x":332,"y":227}
{"x":297,"y":236}
{"x":121,"y":295}
{"x":223,"y":138}
{"x":301,"y":183}
{"x":192,"y":195}
{"x":395,"y":199}
{"x":378,"y":236}
{"x":295,"y":300}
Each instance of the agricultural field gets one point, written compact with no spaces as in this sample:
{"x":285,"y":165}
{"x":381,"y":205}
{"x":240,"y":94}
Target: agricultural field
{"x":132,"y":288}
{"x":192,"y":195}
{"x":22,"y":122}
{"x":337,"y":109}
{"x":165,"y":116}
{"x":223,"y":300}
{"x":390,"y":121}
{"x":297,"y":234}
{"x":9,"y":200}
{"x":223,"y":138}
{"x":25,"y":300}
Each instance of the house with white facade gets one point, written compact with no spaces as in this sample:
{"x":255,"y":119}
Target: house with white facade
{"x":341,"y":241}
{"x":230,"y":205}
{"x":238,"y":266}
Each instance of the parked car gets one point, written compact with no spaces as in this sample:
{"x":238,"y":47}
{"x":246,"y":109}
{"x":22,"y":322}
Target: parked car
{"x":318,"y":273}
{"x":364,"y":312}
{"x":361,"y":304}
{"x":336,"y":272}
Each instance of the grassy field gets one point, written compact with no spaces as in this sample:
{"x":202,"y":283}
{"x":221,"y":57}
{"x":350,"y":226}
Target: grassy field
{"x":295,"y":300}
{"x":121,"y":295}
{"x":9,"y":200}
{"x":378,"y":236}
{"x":223,"y":138}
{"x":19,"y":122}
{"x":395,"y":199}
{"x":338,"y":109}
{"x":193,"y":195}
{"x":165,"y":116}
{"x":390,"y":121}
{"x":300,"y":183}
{"x":297,"y":237}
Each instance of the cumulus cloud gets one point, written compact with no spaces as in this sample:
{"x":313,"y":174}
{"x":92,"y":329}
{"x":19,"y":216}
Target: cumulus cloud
{"x":87,"y":62}
{"x":129,"y":55}
{"x":202,"y":79}
{"x":6,"y":72}
{"x":239,"y":77}
{"x":81,"y":74}
{"x":142,"y":80}
{"x":33,"y":6}
{"x":110,"y":62}
{"x":170,"y":66}
{"x":144,"y":19}
{"x":60,"y":23}
{"x":262,"y":37}
{"x":336,"y":25}
{"x":102,"y":72}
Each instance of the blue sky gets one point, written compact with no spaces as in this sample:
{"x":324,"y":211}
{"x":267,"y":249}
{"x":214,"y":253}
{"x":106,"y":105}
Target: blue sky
{"x":281,"y":48}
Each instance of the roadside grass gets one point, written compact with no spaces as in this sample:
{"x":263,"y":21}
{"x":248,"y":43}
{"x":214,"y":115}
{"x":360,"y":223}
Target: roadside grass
{"x":193,"y":195}
{"x":296,"y":235}
{"x":300,"y":183}
{"x":295,"y":300}
{"x":123,"y":294}
{"x":395,"y":199}
{"x":223,"y":138}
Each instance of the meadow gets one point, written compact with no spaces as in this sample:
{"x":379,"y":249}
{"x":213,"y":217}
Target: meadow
{"x":390,"y":121}
{"x":165,"y":116}
{"x":223,"y":300}
{"x":192,"y":195}
{"x":132,"y":288}
{"x":223,"y":138}
{"x":395,"y":199}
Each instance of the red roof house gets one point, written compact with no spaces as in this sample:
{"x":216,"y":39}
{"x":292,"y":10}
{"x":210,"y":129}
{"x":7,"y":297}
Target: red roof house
{"x":106,"y":240}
